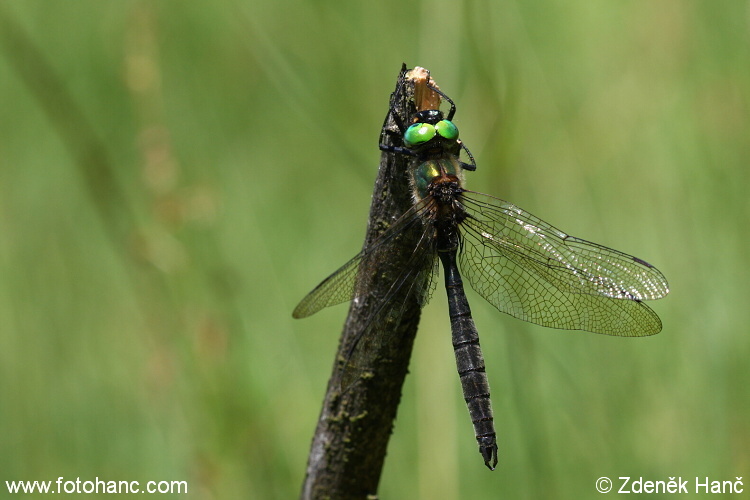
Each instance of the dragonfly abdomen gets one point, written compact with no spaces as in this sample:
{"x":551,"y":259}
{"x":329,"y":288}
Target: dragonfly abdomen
{"x":469,"y":359}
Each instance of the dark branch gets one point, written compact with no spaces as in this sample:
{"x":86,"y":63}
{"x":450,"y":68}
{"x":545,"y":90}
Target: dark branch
{"x":349,"y":446}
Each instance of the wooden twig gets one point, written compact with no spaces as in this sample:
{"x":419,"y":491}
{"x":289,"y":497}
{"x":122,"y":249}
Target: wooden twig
{"x":349,"y":446}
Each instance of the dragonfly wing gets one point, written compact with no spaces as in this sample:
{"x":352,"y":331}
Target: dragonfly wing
{"x":535,"y":272}
{"x":335,"y":289}
{"x":408,"y":293}
{"x":353,"y":279}
{"x":582,"y":266}
{"x":402,"y":283}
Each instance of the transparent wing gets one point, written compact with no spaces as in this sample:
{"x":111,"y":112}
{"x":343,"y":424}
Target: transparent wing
{"x":535,"y":272}
{"x":337,"y":288}
{"x":353,"y":278}
{"x":415,"y":282}
{"x":412,"y":279}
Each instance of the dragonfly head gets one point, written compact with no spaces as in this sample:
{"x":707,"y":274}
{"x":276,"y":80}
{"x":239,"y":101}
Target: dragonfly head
{"x":429,"y":124}
{"x":431,"y":116}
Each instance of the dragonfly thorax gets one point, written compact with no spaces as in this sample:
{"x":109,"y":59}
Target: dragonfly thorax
{"x":445,"y":190}
{"x":438,"y":181}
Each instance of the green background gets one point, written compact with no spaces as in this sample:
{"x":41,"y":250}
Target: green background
{"x":145,"y":320}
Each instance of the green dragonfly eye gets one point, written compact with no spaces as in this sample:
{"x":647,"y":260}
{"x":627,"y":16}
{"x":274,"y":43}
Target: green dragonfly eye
{"x":447,"y":129}
{"x":419,"y":133}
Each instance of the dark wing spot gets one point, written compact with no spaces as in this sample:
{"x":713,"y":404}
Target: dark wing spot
{"x":642,"y":262}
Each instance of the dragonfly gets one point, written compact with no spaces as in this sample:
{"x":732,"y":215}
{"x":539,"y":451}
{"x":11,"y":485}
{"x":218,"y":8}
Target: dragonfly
{"x":520,"y":264}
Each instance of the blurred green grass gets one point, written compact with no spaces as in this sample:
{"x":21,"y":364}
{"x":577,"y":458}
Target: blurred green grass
{"x":243,"y":136}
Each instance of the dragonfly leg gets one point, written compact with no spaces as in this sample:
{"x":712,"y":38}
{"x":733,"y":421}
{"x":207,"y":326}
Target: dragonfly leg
{"x":468,"y":166}
{"x":397,"y":149}
{"x":450,"y":101}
